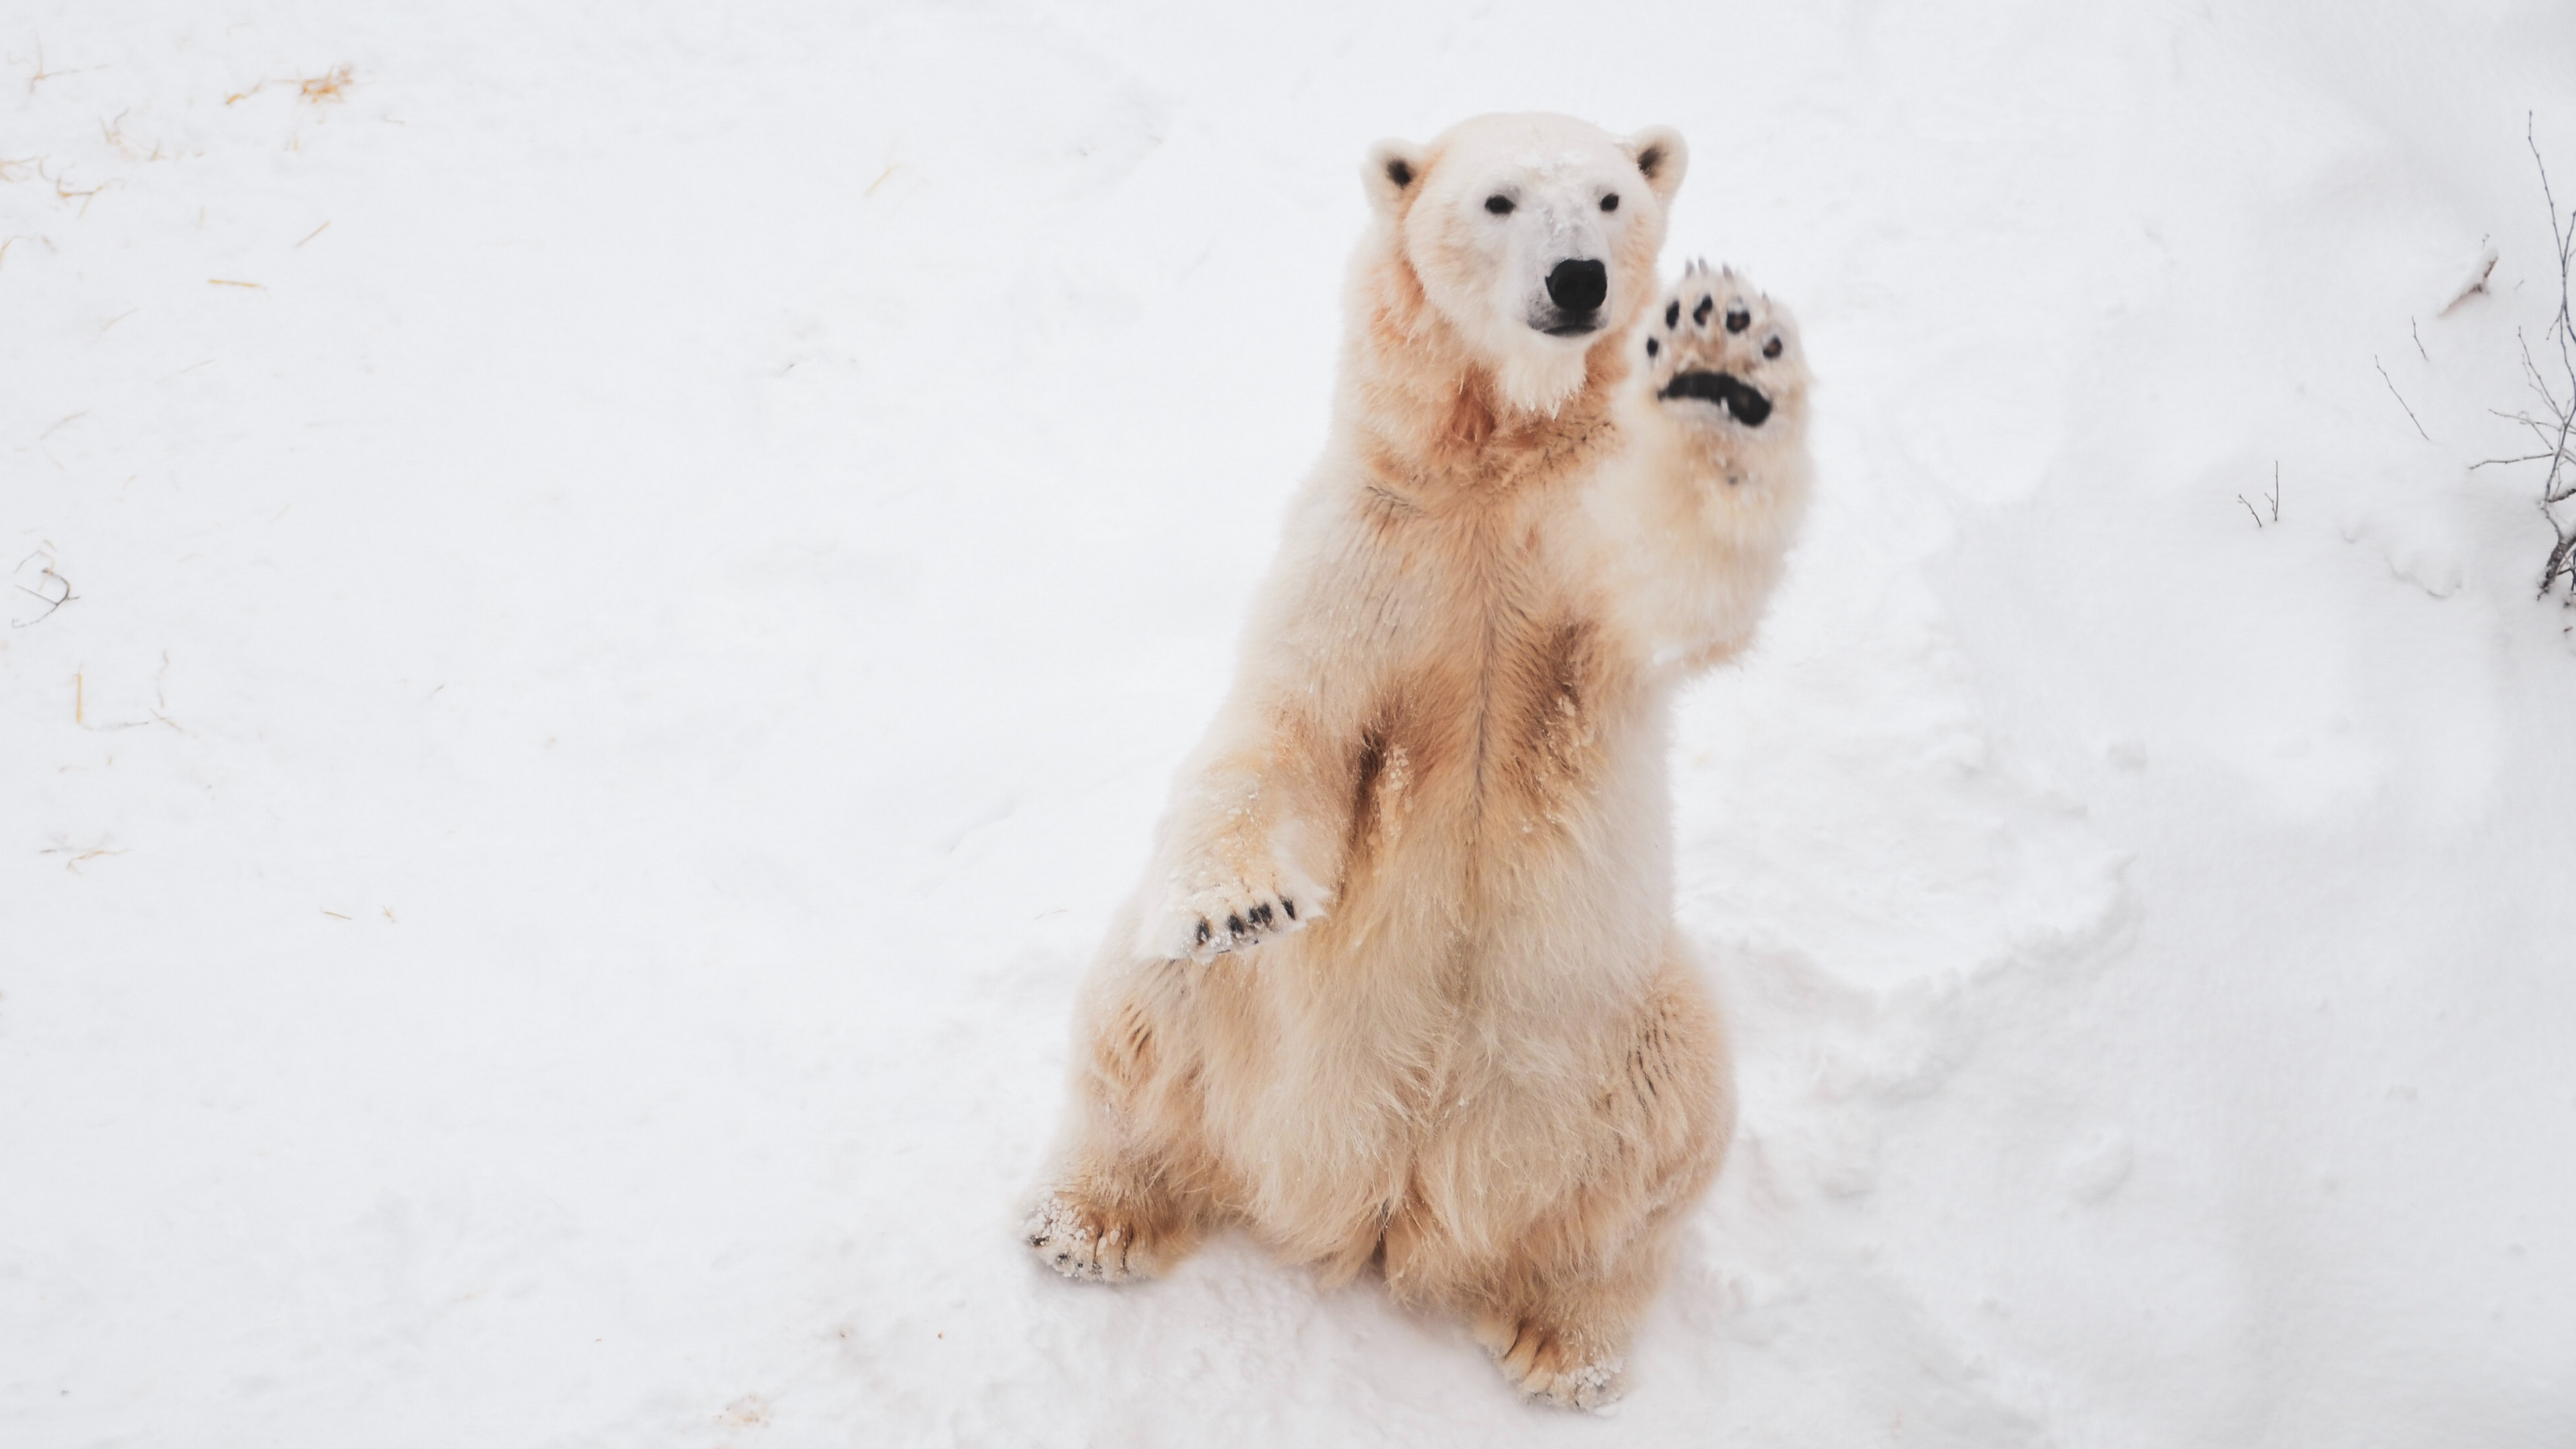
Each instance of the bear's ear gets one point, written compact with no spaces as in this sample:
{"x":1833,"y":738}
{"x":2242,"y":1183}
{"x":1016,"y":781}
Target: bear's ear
{"x":1660,"y":154}
{"x":1391,"y":173}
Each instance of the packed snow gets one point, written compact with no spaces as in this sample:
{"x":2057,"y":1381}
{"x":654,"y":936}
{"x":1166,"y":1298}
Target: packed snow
{"x":604,"y":598}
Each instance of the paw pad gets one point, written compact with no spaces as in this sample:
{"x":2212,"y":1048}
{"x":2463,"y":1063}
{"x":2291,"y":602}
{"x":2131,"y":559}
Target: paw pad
{"x":1742,"y":361}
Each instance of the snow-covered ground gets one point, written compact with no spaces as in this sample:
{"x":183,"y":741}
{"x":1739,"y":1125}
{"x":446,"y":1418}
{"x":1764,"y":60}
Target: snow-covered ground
{"x":637,"y":575}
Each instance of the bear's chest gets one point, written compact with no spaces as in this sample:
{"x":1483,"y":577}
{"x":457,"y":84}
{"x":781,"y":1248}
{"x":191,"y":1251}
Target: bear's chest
{"x":1503,"y":691}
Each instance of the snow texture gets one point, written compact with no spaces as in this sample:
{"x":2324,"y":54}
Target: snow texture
{"x":636,"y":576}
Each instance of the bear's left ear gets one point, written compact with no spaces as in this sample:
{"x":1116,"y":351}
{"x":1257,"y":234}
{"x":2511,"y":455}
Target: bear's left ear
{"x":1392,"y":172}
{"x":1661,"y":156}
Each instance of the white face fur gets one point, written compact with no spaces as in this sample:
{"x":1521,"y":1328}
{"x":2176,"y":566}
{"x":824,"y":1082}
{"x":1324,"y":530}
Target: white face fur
{"x":1533,"y":235}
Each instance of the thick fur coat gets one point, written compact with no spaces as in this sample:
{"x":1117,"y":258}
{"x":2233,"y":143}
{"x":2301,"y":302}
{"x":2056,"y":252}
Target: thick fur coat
{"x":1402,"y":986}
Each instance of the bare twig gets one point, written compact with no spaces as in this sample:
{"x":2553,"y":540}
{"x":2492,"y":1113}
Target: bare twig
{"x":2401,"y":399}
{"x":2273,"y":498}
{"x":2418,"y":334}
{"x":52,"y":589}
{"x":2552,"y":432}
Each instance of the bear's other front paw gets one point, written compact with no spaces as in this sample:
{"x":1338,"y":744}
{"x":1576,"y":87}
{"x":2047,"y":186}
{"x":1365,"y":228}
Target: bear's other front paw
{"x":1213,"y":920}
{"x":1721,"y":355}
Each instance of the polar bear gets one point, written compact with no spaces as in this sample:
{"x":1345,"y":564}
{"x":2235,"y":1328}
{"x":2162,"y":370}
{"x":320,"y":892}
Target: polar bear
{"x":1402,"y":985}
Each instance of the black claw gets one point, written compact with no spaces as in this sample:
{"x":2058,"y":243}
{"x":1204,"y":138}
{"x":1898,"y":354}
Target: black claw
{"x":1261,"y":916}
{"x":1289,"y":906}
{"x":1234,"y":925}
{"x":1673,"y":315}
{"x":1737,"y":319}
{"x":1203,"y":931}
{"x":1699,"y":314}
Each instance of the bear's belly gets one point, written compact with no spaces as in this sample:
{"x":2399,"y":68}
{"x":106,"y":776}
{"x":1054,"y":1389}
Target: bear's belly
{"x":1486,"y":943}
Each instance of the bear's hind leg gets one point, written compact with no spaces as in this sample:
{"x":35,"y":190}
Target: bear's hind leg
{"x":1102,"y":1225}
{"x":1130,"y":1197}
{"x":1568,"y":1348}
{"x":1558,"y":1318}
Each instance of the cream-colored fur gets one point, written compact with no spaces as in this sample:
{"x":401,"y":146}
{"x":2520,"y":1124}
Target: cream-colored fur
{"x":1403,"y":985}
{"x":1695,"y":517}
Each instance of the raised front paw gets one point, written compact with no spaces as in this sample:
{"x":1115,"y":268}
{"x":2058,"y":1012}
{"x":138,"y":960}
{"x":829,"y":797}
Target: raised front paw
{"x":1203,"y":923}
{"x":1722,"y":355}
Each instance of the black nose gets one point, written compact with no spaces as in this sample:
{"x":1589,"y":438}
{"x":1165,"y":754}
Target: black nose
{"x":1578,"y":286}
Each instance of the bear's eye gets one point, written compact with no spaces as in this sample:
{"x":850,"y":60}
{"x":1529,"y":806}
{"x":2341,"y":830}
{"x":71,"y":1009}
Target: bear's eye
{"x":1499,"y":205}
{"x":1610,"y":202}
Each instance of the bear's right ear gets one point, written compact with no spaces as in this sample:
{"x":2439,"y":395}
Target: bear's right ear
{"x":1391,"y":173}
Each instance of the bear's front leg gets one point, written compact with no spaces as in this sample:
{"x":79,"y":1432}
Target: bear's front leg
{"x":1232,"y":870}
{"x":1696,"y":522}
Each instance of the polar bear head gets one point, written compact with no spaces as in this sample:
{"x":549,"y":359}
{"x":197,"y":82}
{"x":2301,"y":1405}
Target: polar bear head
{"x":1533,"y":236}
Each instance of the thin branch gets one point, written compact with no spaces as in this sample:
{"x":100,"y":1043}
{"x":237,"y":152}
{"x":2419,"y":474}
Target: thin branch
{"x":50,"y":601}
{"x":2540,"y":384}
{"x":2552,"y":434}
{"x":2401,"y":399}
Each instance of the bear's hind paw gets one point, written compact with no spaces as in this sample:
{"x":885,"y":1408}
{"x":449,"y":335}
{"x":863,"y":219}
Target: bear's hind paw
{"x":1086,"y":1244}
{"x":1544,"y":1363}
